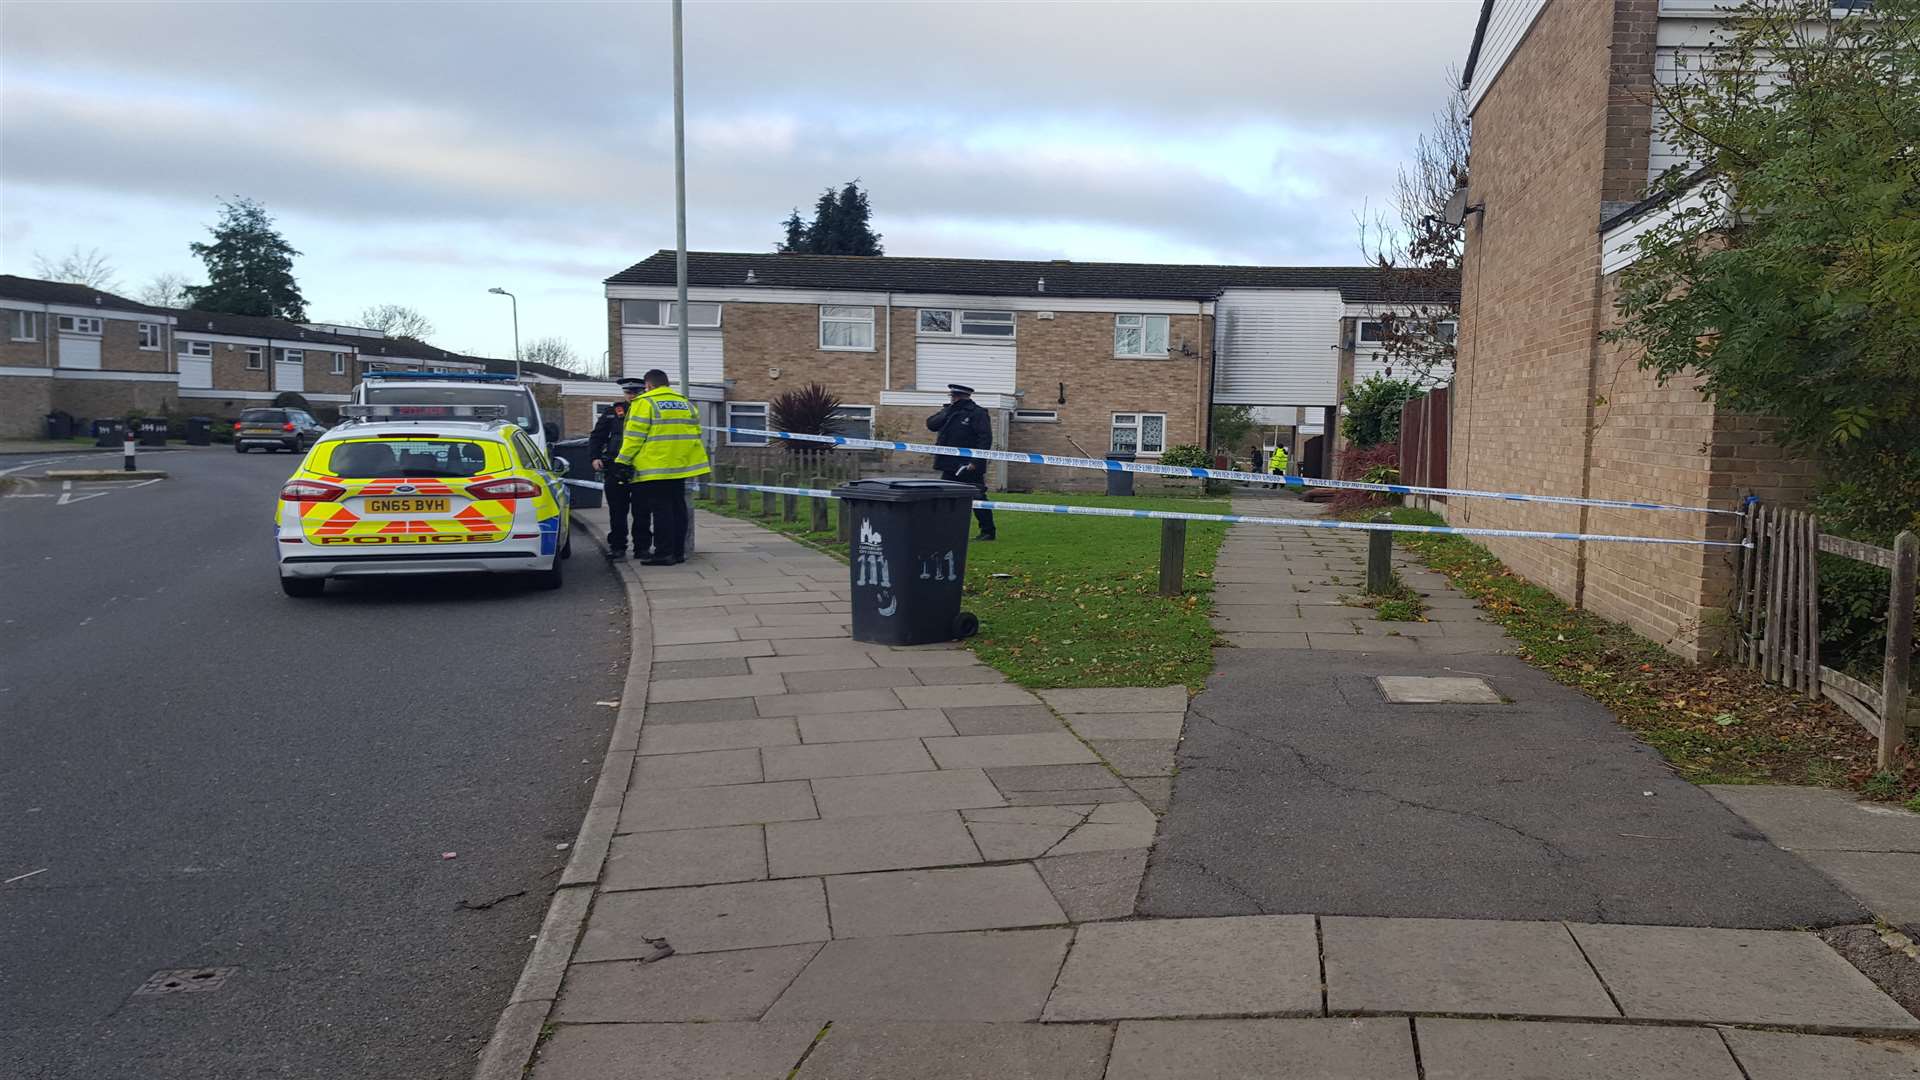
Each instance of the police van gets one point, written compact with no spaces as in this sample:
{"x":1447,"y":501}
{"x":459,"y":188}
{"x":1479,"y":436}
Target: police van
{"x":476,"y":388}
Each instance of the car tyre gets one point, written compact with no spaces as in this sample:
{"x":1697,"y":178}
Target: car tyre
{"x":239,"y":449}
{"x":566,"y":549}
{"x":303,"y":587}
{"x":550,"y":578}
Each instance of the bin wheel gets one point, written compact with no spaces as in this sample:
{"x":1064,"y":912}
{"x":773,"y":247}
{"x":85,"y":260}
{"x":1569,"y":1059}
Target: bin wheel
{"x":965,"y":625}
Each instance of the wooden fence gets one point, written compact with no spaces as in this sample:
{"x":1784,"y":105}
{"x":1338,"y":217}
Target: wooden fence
{"x":1423,"y":438}
{"x":1777,"y":614}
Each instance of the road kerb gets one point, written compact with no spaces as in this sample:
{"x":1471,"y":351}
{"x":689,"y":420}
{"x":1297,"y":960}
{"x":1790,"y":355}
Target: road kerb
{"x":516,"y":1036}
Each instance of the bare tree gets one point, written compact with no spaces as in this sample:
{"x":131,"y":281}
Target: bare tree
{"x":91,"y":268}
{"x":397,"y":320}
{"x":554,"y":351}
{"x":1415,"y":248}
{"x":166,"y":289}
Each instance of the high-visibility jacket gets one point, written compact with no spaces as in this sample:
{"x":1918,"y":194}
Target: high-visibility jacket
{"x":1278,"y":462}
{"x":662,"y":438}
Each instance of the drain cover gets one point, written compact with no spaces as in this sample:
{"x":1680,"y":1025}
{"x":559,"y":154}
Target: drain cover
{"x":185,"y":981}
{"x":1434,"y":690}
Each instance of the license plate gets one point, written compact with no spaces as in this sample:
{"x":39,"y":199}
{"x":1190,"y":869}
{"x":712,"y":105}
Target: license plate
{"x":406,"y":506}
{"x":262,"y":431}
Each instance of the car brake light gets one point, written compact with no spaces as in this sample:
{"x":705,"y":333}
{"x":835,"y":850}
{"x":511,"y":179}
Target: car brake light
{"x":310,"y":491}
{"x":288,"y":426}
{"x":236,"y":425}
{"x":507,"y":488}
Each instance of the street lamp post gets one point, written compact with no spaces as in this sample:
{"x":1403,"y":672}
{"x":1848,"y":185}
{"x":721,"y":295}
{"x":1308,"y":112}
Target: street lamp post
{"x":497,"y":290}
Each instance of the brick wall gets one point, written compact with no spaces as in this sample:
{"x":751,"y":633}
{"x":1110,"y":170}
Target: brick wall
{"x":230,"y":371}
{"x":96,"y":398}
{"x":25,"y":353}
{"x":1636,"y":25}
{"x":25,"y":400}
{"x":120,"y":348}
{"x":319,"y":375}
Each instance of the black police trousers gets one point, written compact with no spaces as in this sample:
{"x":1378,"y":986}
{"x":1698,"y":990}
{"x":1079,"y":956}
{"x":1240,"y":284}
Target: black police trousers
{"x":667,"y":502}
{"x":623,"y":501}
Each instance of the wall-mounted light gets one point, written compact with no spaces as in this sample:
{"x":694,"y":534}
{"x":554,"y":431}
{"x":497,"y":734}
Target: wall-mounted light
{"x":1063,"y":393}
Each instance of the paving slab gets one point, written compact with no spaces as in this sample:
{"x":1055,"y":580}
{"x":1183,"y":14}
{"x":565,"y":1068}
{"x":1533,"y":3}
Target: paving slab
{"x":1063,"y":816}
{"x":672,"y":1051}
{"x":1239,"y":640}
{"x":1508,"y":1050}
{"x":1190,"y":968}
{"x":706,"y":768}
{"x":833,"y":661}
{"x":703,"y":652}
{"x":716,"y":735}
{"x":1003,"y":841}
{"x":1119,"y":699}
{"x":1458,"y":966}
{"x":1308,"y":1049}
{"x":1109,"y":827}
{"x":699,"y":669}
{"x":1155,"y":791}
{"x":992,"y":751}
{"x":1054,"y":778}
{"x":904,"y":793}
{"x":735,"y":804}
{"x":704,"y":918}
{"x":1001,"y":719}
{"x":1775,"y":1055}
{"x":778,"y":634}
{"x":661,"y":860}
{"x":1068,"y":797}
{"x":1821,"y":819}
{"x":999,"y":976}
{"x":694,"y":987}
{"x":957,"y":676}
{"x":1887,"y":882}
{"x":1095,"y":885}
{"x":939,"y":901}
{"x":866,"y":1050}
{"x":1138,"y":757}
{"x":828,"y":703}
{"x":845,"y":759}
{"x":869,"y":678}
{"x":700,"y":712}
{"x":858,"y":844}
{"x":921,"y":658}
{"x":935,"y":697}
{"x":1784,"y":978}
{"x":1436,"y":690}
{"x":668,"y":635}
{"x":1141,"y":725}
{"x":859,"y":727}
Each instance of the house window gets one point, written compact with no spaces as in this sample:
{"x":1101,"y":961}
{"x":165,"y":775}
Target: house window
{"x":1139,"y":433}
{"x":960,"y":323}
{"x":256,"y":358}
{"x":846,"y":328}
{"x":600,"y":409}
{"x":663,"y":313}
{"x":293,"y":356}
{"x":339,"y":363}
{"x":23,"y":325}
{"x":1371,"y":332}
{"x":1139,"y":335}
{"x":149,"y":335}
{"x":202,"y":350}
{"x":79,"y":324}
{"x":746,"y":414}
{"x":1449,"y":331}
{"x":1036,"y":416}
{"x":853,"y":421}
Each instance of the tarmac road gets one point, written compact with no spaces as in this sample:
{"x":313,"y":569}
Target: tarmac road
{"x":208,"y":773}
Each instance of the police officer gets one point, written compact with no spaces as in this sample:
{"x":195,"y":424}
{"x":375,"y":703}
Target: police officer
{"x":963,"y":423}
{"x":604,"y":446}
{"x":1277,"y":464}
{"x":660,"y":452}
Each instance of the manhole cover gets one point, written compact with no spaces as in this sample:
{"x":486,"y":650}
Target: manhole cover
{"x":1436,"y":690}
{"x":185,"y":981}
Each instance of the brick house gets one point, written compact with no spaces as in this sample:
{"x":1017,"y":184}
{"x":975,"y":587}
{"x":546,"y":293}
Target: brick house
{"x":1069,"y":358}
{"x":228,"y":362}
{"x":1563,"y":151}
{"x":75,"y":348}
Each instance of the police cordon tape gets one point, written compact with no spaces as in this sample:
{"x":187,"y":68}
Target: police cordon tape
{"x":1104,"y":465}
{"x":1241,"y":519}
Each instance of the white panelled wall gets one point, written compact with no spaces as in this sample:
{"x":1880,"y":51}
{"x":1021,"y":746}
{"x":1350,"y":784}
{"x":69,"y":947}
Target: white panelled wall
{"x":1277,"y":347}
{"x":642,"y":348}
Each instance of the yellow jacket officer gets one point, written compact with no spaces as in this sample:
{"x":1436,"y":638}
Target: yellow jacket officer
{"x":1278,"y":462}
{"x":660,"y":451}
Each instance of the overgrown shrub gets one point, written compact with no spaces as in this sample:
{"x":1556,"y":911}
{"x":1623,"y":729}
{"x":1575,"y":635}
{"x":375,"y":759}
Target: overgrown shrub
{"x":810,"y":410}
{"x":1191,"y":456}
{"x":1373,"y":411}
{"x":1873,"y":500}
{"x":1357,"y":465}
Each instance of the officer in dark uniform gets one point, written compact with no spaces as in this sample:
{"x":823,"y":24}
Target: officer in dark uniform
{"x":604,"y":445}
{"x":963,"y":423}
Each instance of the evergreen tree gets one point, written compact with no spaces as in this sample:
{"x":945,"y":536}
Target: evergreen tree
{"x":820,"y":233}
{"x":796,"y":241}
{"x":840,"y":226}
{"x":249,"y":267}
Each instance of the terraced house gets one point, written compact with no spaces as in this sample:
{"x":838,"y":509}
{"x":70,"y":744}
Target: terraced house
{"x":1072,"y":358}
{"x":82,"y":350}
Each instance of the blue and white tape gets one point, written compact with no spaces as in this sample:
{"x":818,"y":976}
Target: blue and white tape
{"x":1291,"y":523}
{"x":1151,"y":469}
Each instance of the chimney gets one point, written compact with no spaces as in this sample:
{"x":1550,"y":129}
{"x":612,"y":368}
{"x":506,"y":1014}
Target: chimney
{"x":750,"y":280}
{"x":1043,"y":285}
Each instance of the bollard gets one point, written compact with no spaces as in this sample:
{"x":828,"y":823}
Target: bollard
{"x":722,"y":474}
{"x":1173,"y":557}
{"x":789,"y":503}
{"x":819,"y":508}
{"x":1380,"y":559}
{"x":741,"y":496}
{"x":767,"y":477}
{"x":126,"y":448}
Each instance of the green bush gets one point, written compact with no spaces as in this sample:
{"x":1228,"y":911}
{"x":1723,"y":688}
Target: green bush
{"x":1870,"y":496}
{"x":1191,"y":456}
{"x":1373,"y":411}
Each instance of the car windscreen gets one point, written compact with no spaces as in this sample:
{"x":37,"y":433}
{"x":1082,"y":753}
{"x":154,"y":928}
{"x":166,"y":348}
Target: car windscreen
{"x":518,"y":402}
{"x":376,"y":458}
{"x":263,"y":416}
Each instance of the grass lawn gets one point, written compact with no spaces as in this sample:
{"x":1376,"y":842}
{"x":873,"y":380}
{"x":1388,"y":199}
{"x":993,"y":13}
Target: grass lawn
{"x":1074,"y":601}
{"x":1714,"y":724}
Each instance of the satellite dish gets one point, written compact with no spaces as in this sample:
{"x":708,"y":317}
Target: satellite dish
{"x":1456,"y":210}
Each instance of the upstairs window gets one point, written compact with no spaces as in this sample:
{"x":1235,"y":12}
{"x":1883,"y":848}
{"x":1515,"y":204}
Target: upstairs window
{"x":79,"y":324}
{"x":293,"y":356}
{"x":339,"y":363}
{"x":149,"y":335}
{"x":256,"y":358}
{"x":200,"y":350}
{"x":23,"y":325}
{"x":846,"y":328}
{"x":955,"y":322}
{"x":665,"y":313}
{"x":1140,"y":335}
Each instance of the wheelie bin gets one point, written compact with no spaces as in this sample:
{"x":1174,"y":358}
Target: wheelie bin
{"x":579,"y":461}
{"x":907,"y":558}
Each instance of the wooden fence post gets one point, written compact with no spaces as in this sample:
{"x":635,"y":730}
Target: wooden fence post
{"x":1173,"y":556}
{"x":789,"y":504}
{"x":741,"y":496}
{"x":767,"y":477}
{"x":1380,"y":559}
{"x":819,"y":508}
{"x":1894,"y":676}
{"x":1810,"y":597}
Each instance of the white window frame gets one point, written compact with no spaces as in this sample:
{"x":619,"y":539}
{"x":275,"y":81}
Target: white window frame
{"x":198,"y":350}
{"x":600,"y":409}
{"x":1360,"y":339}
{"x":766,"y":419}
{"x":29,"y":320}
{"x":847,"y":320}
{"x":1138,"y":423}
{"x":957,"y":319}
{"x":256,"y":357}
{"x":80,"y":324}
{"x":868,"y":417}
{"x":1036,"y":416}
{"x":664,"y":314}
{"x":150,"y":332}
{"x":1141,"y":323}
{"x":293,"y":356}
{"x":339,"y":363}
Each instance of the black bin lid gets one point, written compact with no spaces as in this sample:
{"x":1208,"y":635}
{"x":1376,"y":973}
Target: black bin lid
{"x":901,"y":489}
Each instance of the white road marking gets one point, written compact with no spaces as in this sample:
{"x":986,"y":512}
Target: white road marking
{"x":23,"y":877}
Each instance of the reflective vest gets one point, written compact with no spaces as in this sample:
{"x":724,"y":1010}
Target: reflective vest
{"x":662,"y":438}
{"x":1278,"y":462}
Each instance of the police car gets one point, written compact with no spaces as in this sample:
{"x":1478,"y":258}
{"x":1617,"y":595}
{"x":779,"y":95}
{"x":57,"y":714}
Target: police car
{"x":422,"y":489}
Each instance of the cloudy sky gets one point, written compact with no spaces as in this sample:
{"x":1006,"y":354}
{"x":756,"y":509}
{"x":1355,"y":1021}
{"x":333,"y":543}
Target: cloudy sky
{"x":419,"y":153}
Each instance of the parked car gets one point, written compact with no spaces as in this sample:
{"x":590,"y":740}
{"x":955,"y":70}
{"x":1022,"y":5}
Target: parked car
{"x":292,"y":430}
{"x":435,"y":388}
